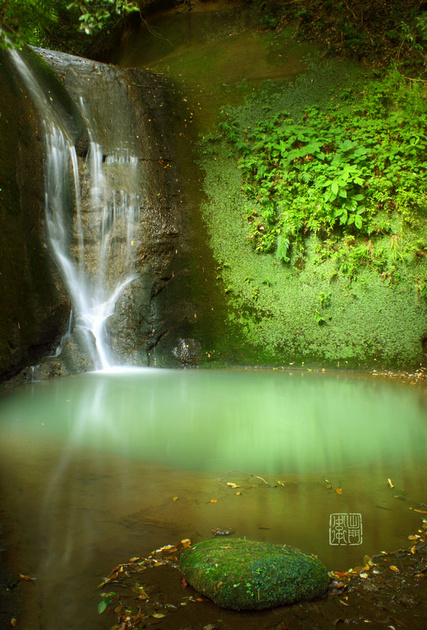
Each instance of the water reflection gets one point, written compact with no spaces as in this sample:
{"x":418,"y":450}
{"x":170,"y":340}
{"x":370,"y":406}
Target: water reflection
{"x":90,"y":467}
{"x":266,"y":422}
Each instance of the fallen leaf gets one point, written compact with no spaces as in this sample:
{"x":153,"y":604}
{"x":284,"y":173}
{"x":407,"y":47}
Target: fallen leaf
{"x":135,"y":559}
{"x":222,"y":531}
{"x":394,"y":568}
{"x":186,"y":543}
{"x":142,"y":593}
{"x":175,"y":499}
{"x":390,"y":483}
{"x":338,"y":490}
{"x":238,"y":493}
{"x":344,"y":603}
{"x":27,"y":578}
{"x":340,"y":573}
{"x":13,"y":622}
{"x":184,"y":583}
{"x":158,"y":615}
{"x":213,"y":501}
{"x":232,"y":485}
{"x":171,"y":548}
{"x":199,"y":599}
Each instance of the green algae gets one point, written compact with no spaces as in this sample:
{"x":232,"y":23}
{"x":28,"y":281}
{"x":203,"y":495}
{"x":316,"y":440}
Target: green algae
{"x":242,"y":574}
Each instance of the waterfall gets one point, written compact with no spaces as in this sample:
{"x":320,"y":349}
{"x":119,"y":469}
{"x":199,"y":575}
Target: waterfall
{"x":92,"y":214}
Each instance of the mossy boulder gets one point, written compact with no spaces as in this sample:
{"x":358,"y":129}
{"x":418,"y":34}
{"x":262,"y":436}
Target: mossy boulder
{"x":244,"y":574}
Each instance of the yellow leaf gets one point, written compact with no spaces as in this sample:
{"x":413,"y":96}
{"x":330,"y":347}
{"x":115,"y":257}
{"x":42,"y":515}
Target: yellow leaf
{"x":158,"y":615}
{"x":186,"y":543}
{"x":238,"y":493}
{"x":394,"y":568}
{"x":135,"y":559}
{"x":232,"y":485}
{"x":338,"y":490}
{"x":213,"y":501}
{"x":390,"y":483}
{"x":13,"y":622}
{"x":368,"y":562}
{"x":175,"y":499}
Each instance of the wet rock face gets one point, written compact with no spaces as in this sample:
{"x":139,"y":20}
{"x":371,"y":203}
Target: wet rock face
{"x":245,"y":574}
{"x":122,"y":116}
{"x":34,"y":305}
{"x":126,"y":112}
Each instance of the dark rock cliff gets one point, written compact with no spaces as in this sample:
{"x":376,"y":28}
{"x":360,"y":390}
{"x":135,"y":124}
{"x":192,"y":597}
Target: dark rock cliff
{"x":153,"y":319}
{"x":34,"y":305}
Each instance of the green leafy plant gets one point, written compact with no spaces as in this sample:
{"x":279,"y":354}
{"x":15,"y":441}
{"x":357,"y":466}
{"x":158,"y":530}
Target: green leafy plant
{"x":355,"y":170}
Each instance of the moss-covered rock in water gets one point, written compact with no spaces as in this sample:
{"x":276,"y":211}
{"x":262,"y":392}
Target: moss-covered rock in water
{"x":243,"y":574}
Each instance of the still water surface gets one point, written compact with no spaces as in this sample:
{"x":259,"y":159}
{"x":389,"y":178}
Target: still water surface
{"x":101,"y":467}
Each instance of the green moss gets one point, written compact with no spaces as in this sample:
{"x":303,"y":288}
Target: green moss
{"x":242,"y":574}
{"x":370,"y":320}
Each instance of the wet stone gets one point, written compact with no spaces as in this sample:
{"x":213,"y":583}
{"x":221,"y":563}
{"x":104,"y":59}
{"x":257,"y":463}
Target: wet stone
{"x":243,"y":574}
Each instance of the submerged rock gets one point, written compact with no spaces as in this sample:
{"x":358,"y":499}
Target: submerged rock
{"x":243,"y":574}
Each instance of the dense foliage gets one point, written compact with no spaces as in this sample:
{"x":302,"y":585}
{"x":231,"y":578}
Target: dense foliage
{"x":35,"y":21}
{"x":378,"y":30}
{"x":353,"y":173}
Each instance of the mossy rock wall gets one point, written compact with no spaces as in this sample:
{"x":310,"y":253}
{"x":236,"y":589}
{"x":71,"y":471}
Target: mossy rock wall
{"x":34,"y":305}
{"x":309,"y":312}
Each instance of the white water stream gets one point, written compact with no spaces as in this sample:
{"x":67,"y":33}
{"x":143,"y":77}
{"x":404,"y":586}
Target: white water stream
{"x":96,"y":256}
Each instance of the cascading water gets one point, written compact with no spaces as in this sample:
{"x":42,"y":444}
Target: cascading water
{"x":96,"y":257}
